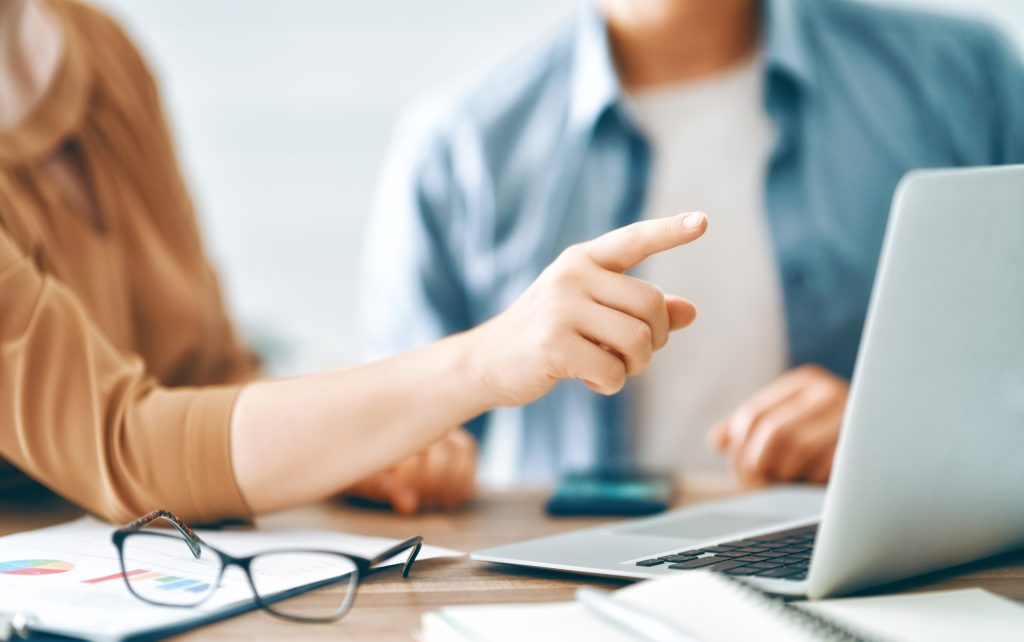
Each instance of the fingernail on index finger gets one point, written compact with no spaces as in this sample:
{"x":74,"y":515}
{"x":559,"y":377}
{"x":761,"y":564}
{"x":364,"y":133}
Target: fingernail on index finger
{"x":693,"y":220}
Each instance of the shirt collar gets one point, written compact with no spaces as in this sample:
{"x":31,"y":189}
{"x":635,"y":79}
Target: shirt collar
{"x":783,"y":43}
{"x":595,"y":83}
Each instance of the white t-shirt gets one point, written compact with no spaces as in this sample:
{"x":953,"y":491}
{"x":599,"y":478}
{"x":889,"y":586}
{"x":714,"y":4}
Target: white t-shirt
{"x":711,"y":143}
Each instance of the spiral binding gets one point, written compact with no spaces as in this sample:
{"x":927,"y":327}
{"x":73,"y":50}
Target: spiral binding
{"x":821,"y":628}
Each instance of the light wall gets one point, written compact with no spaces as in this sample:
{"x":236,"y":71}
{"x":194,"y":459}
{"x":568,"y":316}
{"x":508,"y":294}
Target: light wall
{"x":283,"y":113}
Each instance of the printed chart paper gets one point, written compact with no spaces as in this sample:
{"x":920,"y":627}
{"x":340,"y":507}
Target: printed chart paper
{"x":67,"y":580}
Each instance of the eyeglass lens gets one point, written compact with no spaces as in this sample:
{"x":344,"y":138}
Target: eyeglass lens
{"x":333,"y":578}
{"x":161,"y":568}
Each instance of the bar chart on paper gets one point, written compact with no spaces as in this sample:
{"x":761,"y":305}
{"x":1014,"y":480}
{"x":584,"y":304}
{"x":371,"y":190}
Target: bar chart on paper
{"x":162,"y":581}
{"x":35,"y":567}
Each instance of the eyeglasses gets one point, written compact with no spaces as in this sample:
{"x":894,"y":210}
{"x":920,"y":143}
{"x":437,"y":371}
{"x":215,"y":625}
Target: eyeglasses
{"x":198,"y":569}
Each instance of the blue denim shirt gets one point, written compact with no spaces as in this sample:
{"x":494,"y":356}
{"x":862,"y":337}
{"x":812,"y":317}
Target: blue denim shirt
{"x":489,"y":182}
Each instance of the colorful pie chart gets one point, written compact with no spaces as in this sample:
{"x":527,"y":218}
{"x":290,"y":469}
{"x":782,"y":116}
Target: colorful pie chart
{"x":35,"y":567}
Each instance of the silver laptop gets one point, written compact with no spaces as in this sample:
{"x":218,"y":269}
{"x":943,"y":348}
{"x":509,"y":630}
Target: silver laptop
{"x":929,"y":469}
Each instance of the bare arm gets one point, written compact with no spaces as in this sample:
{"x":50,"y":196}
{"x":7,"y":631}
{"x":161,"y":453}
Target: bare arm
{"x":303,"y":439}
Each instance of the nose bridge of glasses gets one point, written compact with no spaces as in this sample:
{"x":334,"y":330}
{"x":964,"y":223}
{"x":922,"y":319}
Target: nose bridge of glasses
{"x":191,"y":539}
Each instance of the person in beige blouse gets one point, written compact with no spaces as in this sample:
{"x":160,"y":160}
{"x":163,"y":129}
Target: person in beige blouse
{"x":124,"y":387}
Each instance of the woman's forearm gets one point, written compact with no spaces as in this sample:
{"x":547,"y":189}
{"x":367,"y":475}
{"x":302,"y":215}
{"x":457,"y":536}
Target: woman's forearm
{"x":302,"y":439}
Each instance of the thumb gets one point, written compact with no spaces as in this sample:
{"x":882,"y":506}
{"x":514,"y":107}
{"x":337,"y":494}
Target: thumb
{"x":681,"y":312}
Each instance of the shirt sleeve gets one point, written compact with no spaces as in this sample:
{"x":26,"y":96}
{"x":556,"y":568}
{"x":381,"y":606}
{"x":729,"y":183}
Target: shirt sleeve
{"x":413,"y":291}
{"x":85,"y":419}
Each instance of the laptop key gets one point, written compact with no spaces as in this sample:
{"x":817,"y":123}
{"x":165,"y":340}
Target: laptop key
{"x":699,"y":562}
{"x":653,"y":562}
{"x":778,"y":573}
{"x":675,"y":559}
{"x":724,"y":548}
{"x":792,"y":549}
{"x":740,"y":543}
{"x":798,"y":567}
{"x":743,"y":570}
{"x":726,"y":566}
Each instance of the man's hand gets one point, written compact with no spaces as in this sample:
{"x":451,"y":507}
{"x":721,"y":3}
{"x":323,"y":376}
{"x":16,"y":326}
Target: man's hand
{"x":583,"y":318}
{"x":788,"y":430}
{"x":441,"y":477}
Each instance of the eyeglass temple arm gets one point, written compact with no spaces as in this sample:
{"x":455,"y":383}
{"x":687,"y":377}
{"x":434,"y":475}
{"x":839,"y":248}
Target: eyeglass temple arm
{"x":191,"y":539}
{"x":415,"y":543}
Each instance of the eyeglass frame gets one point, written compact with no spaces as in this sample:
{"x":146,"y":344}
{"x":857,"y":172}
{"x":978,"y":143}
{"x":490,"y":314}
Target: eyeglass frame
{"x":193,"y":541}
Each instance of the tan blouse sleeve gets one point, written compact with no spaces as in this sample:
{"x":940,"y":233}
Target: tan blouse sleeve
{"x":85,"y":419}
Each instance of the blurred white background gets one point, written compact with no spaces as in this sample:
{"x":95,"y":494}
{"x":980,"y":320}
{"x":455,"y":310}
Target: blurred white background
{"x":283,"y":112}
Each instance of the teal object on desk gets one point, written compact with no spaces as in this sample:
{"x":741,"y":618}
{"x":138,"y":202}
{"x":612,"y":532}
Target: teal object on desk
{"x":612,"y":493}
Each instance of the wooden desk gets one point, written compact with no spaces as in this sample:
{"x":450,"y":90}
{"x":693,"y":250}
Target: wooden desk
{"x":389,"y":608}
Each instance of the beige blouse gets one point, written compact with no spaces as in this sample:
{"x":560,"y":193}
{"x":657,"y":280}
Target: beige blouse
{"x":118,"y":364}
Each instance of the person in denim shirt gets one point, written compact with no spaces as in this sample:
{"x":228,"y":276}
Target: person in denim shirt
{"x":489,"y":182}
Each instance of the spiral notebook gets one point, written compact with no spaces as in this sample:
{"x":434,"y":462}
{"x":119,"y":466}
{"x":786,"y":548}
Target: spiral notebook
{"x":712,"y":607}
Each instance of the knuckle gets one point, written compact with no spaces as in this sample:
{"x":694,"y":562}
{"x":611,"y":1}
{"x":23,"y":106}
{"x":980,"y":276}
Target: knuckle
{"x":572,"y":254}
{"x":631,"y":237}
{"x":776,"y":435}
{"x":744,"y":415}
{"x":467,"y":444}
{"x":641,"y":337}
{"x":837,"y":386}
{"x":798,"y":453}
{"x":449,"y":448}
{"x":633,"y":232}
{"x":641,"y":349}
{"x":788,"y":470}
{"x":615,"y":377}
{"x":653,"y":299}
{"x":813,"y":370}
{"x":669,"y":227}
{"x":804,"y":454}
{"x":566,"y":273}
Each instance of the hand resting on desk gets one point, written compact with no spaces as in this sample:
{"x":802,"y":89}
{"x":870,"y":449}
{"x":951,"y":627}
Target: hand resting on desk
{"x":440,"y":477}
{"x":788,"y":430}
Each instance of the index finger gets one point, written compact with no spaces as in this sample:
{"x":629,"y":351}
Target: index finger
{"x":622,"y":249}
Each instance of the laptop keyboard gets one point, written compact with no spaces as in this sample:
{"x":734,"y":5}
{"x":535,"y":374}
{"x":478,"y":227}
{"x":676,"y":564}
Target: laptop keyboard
{"x":780,"y":555}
